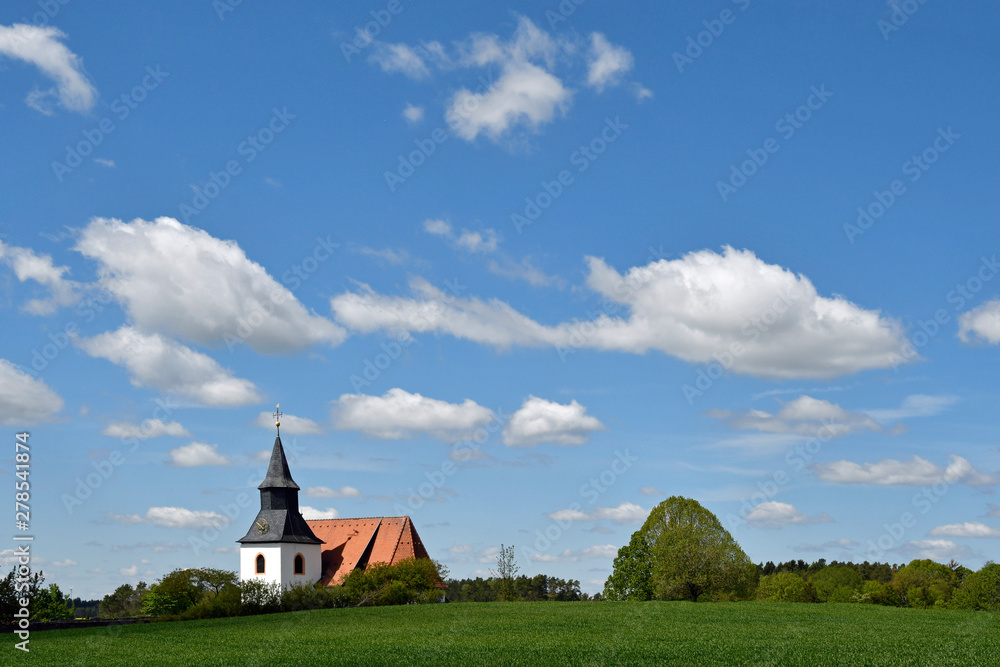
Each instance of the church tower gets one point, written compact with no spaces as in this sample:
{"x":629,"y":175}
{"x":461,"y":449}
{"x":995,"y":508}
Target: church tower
{"x":280,"y":546}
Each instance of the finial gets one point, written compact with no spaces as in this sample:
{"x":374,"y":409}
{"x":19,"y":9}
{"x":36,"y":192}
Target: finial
{"x":277,"y":418}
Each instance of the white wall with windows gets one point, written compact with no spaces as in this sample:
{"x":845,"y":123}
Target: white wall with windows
{"x":279,"y":562}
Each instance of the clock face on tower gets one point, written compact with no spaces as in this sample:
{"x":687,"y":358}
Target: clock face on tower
{"x":262,"y":526}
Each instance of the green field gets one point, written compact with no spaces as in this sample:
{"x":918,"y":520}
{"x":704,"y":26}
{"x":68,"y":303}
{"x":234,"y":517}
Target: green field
{"x":544,"y":633}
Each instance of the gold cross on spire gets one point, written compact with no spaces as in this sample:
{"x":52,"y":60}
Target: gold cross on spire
{"x":277,"y":417}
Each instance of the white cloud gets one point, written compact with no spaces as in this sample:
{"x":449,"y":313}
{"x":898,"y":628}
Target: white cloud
{"x":27,"y":265}
{"x":606,"y":63}
{"x":695,"y":308}
{"x":174,"y":517}
{"x":129,"y":571}
{"x":150,"y":428}
{"x":915,"y":472}
{"x":481,"y":242}
{"x":625,"y":513}
{"x":164,"y":364}
{"x":68,"y":562}
{"x":650,"y":491}
{"x":917,"y":405}
{"x":641,"y":92}
{"x":967,"y":529}
{"x":104,"y":162}
{"x":523,"y":270}
{"x":994,"y":510}
{"x":23,"y":399}
{"x":197,"y":454}
{"x":400,"y":414}
{"x":805,"y":416}
{"x":773,"y":514}
{"x":42,"y":47}
{"x":311,"y":513}
{"x":571,"y":556}
{"x":459,"y":548}
{"x":981,"y":322}
{"x":485,"y":241}
{"x":941,"y":551}
{"x":181,"y":281}
{"x":327,"y":492}
{"x":413,"y":114}
{"x":437,"y":227}
{"x":399,"y":58}
{"x":290,"y":424}
{"x":539,"y":420}
{"x":525,"y":94}
{"x":386,"y":254}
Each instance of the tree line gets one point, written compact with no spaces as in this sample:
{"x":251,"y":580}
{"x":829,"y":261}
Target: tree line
{"x":682,"y":552}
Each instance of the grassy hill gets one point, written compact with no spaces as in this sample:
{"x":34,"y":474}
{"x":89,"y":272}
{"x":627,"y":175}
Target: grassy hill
{"x":549,"y":633}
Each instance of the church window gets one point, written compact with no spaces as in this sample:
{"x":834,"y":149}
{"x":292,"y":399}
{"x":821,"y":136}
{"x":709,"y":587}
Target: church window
{"x":260,"y":563}
{"x":300,"y":564}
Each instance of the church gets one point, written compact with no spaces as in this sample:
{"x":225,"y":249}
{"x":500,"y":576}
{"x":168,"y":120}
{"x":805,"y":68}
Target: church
{"x":283,"y":547}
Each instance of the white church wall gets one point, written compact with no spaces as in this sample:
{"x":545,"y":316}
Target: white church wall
{"x":279,"y":562}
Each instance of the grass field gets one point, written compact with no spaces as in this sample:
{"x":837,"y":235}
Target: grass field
{"x":543,"y":634}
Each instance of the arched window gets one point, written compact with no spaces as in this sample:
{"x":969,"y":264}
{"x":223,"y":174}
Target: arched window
{"x":300,"y":564}
{"x":260,"y":563}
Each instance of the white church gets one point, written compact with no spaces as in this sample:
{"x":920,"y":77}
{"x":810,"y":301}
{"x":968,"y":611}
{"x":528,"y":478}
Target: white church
{"x":283,"y":547}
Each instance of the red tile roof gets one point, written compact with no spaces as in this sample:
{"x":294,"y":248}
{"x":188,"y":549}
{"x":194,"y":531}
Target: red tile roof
{"x":349,"y":544}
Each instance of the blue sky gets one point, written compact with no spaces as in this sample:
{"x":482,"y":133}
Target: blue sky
{"x":520,"y":271}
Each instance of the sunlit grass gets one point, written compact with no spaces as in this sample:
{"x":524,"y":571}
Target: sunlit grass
{"x":551,"y":633}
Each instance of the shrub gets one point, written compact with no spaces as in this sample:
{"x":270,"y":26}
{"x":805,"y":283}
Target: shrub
{"x":783,"y":587}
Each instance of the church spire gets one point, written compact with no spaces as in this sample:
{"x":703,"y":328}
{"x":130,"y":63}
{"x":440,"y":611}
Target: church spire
{"x":279,"y":519}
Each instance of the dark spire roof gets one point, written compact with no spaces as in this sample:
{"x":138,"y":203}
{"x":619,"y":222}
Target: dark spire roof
{"x":278,"y":475}
{"x":279,"y":519}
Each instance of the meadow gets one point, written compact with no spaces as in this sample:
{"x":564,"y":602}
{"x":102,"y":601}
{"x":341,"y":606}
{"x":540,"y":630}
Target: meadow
{"x":549,"y":633}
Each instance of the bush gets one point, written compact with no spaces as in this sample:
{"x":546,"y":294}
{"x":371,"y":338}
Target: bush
{"x":875,"y":592}
{"x":784,"y":587}
{"x":410,"y":581}
{"x":227,"y":602}
{"x":260,"y":597}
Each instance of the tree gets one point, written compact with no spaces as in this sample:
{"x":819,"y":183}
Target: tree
{"x":9,"y":595}
{"x":210,"y":579}
{"x":124,"y":602}
{"x":836,"y":583}
{"x":923,"y":584}
{"x":783,"y":587}
{"x":631,"y":578}
{"x":174,"y":592}
{"x":980,"y":590}
{"x":693,"y":556}
{"x":50,"y":604}
{"x":505,"y":572}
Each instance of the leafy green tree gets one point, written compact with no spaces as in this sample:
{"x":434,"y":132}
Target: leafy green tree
{"x":693,"y":556}
{"x":505,"y":572}
{"x":10,"y":596}
{"x":980,"y":590}
{"x":124,"y":602}
{"x":210,"y":579}
{"x":174,"y":593}
{"x":632,"y":576}
{"x":783,"y":587}
{"x":836,"y":583}
{"x":50,"y":604}
{"x":923,"y":584}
